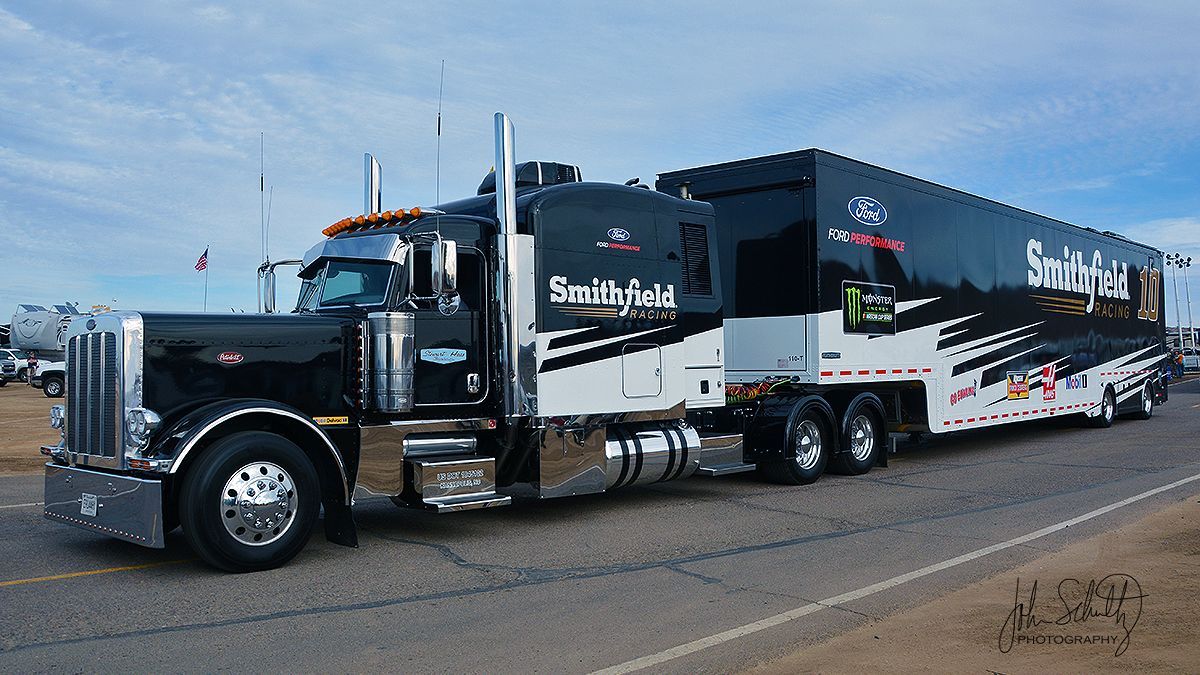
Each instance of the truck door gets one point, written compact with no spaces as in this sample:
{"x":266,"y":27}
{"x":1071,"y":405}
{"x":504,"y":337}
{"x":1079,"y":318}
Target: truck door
{"x":451,"y":357}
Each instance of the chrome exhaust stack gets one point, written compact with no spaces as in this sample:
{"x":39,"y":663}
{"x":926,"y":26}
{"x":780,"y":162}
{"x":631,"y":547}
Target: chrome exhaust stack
{"x":514,"y":283}
{"x":372,"y":185}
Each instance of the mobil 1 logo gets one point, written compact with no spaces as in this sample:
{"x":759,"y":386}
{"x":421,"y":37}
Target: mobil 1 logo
{"x":868,"y":309}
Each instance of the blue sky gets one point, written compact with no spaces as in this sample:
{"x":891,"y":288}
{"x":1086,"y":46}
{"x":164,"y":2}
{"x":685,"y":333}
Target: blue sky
{"x":129,"y":132}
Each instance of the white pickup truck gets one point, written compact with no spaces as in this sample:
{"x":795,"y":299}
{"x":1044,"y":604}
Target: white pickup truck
{"x":51,"y":378}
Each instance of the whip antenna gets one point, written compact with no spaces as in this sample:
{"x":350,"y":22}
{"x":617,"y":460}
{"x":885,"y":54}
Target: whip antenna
{"x":262,"y":193}
{"x":437,"y":170}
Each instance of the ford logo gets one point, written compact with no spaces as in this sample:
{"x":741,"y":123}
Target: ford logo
{"x":867,"y":211}
{"x":230,"y":358}
{"x":618,"y":234}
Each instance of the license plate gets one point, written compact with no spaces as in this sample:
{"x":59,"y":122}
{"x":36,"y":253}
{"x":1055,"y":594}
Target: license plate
{"x":87,"y":504}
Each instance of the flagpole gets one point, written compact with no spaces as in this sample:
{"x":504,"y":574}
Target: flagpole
{"x":206,"y":248}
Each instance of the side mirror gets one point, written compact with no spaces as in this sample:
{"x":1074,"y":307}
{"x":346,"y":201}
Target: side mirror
{"x":445,"y":267}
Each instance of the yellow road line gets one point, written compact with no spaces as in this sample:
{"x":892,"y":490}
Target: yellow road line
{"x":88,"y":573}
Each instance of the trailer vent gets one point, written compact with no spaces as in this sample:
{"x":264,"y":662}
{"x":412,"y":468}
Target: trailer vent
{"x":697,"y":274}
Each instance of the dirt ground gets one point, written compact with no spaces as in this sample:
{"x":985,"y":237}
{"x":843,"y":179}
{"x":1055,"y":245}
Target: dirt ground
{"x":1157,"y":557}
{"x":24,"y":425}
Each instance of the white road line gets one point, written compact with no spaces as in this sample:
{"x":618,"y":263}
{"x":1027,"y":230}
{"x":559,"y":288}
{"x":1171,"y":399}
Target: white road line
{"x":17,"y":506}
{"x":791,"y":615}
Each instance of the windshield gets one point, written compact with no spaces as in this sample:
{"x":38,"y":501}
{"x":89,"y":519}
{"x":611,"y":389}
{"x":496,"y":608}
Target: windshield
{"x":15,"y":354}
{"x":340,"y":283}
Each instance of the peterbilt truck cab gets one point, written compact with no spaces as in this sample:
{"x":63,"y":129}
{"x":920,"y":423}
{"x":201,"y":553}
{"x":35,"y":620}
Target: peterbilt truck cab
{"x":545,"y":337}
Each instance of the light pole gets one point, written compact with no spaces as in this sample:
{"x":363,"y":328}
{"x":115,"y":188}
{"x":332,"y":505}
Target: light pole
{"x":1187,"y":291}
{"x":1173,"y":263}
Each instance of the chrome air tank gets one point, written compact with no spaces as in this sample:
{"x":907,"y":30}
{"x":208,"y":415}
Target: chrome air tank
{"x":650,"y":454}
{"x":388,"y":361}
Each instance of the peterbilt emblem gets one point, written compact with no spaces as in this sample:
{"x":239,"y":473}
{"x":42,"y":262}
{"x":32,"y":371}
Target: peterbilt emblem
{"x":867,"y":211}
{"x":230,"y":358}
{"x":618,"y":234}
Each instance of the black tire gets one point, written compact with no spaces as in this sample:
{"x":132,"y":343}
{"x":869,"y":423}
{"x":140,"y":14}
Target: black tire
{"x":862,"y":441}
{"x":53,"y":386}
{"x":1145,"y":404}
{"x":3,"y":381}
{"x":23,"y":375}
{"x":1108,"y":410}
{"x":207,"y":502}
{"x":806,"y":462}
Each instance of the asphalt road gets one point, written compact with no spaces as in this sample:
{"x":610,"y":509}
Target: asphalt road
{"x":585,"y":583}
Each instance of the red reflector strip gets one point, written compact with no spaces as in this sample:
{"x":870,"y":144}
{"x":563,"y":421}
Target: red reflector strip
{"x":826,"y":373}
{"x":881,"y":372}
{"x":897,"y":371}
{"x":864,"y":372}
{"x":845,"y":372}
{"x":927,"y":370}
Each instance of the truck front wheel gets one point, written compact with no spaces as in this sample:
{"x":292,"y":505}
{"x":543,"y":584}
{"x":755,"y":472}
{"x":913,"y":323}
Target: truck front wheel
{"x":250,"y":502}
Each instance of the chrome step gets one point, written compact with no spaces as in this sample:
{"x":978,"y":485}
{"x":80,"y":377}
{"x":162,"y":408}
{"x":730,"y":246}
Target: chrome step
{"x":725,"y":469}
{"x":466,"y":503}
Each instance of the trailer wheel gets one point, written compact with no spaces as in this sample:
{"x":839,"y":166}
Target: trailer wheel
{"x":1146,"y":404}
{"x":1108,"y":410}
{"x":809,"y":446}
{"x":250,"y":502}
{"x":862,"y":445}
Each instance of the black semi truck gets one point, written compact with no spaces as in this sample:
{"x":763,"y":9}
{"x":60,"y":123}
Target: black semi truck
{"x":550,"y":337}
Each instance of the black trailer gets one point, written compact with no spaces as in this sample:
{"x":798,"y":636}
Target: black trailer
{"x":841,"y":278}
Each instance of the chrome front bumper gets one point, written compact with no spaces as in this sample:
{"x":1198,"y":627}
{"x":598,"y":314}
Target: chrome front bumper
{"x":127,"y":508}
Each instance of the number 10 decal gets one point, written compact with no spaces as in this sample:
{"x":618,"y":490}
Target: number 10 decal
{"x":1150,"y":296}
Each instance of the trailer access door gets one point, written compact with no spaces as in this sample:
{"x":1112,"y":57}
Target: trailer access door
{"x":764,"y":225}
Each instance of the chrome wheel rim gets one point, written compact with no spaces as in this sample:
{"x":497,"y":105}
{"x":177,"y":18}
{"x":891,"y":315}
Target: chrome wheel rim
{"x":258,"y":503}
{"x":1147,"y":399}
{"x":808,"y":445}
{"x":862,"y":437}
{"x":52,"y":388}
{"x":1106,"y":407}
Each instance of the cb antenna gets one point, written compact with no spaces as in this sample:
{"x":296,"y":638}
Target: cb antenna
{"x":437,"y":170}
{"x":262,"y":194}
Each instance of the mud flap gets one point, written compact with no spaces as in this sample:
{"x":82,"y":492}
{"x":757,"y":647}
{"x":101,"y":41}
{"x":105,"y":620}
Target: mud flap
{"x":339,"y":524}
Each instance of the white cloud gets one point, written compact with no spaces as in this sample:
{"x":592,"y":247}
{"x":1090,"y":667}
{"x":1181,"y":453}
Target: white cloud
{"x":131,"y":133}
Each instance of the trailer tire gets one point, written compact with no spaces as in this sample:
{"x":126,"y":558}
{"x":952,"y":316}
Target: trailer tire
{"x":224,"y":508}
{"x":862,"y":442}
{"x":810,"y":441}
{"x":1108,"y":410}
{"x":52,"y":386}
{"x":1145,"y":404}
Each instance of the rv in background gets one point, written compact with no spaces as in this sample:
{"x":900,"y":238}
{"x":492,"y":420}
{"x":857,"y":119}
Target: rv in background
{"x":35,"y":328}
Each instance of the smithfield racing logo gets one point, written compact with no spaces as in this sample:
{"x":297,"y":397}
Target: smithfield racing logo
{"x":607,"y":299}
{"x":1095,"y":282}
{"x":867,"y":211}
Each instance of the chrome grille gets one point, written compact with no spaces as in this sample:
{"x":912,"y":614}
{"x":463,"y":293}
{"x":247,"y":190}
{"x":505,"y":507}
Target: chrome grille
{"x":94,"y":411}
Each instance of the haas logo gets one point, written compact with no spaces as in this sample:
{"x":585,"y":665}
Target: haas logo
{"x":230,"y":358}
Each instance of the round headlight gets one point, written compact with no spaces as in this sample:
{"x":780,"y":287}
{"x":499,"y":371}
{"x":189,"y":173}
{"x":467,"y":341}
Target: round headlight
{"x":57,"y":415}
{"x":141,"y":423}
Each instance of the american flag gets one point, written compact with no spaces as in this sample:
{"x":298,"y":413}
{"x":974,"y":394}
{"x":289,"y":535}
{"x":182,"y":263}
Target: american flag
{"x":202,"y":263}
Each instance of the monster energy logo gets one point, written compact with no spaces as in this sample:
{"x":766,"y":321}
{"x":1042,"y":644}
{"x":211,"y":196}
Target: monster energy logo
{"x":869,"y":308}
{"x":854,"y":306}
